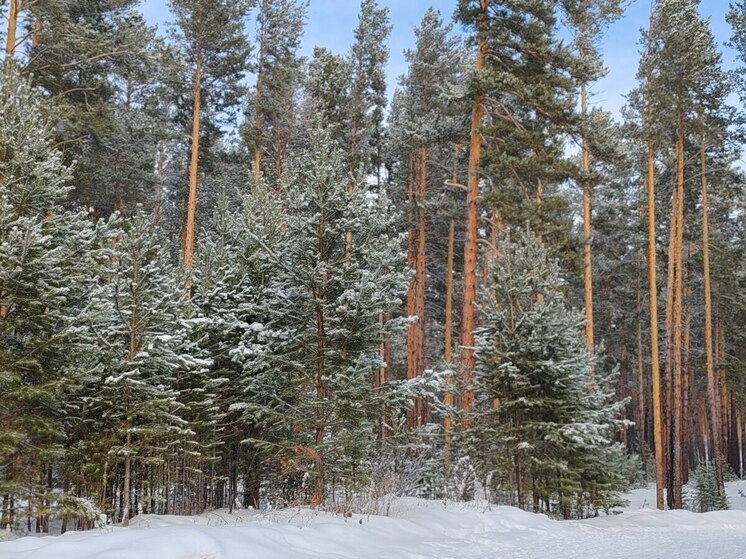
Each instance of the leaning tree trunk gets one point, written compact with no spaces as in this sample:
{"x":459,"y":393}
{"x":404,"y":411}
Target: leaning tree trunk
{"x":193,"y":168}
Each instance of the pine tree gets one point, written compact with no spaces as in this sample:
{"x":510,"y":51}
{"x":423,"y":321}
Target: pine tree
{"x":142,"y":388}
{"x":215,"y":54}
{"x":588,"y":19}
{"x":96,"y":60}
{"x":44,"y":258}
{"x":232,"y":295}
{"x":369,"y":57}
{"x":523,"y":84}
{"x":324,"y":320}
{"x":543,"y":425}
{"x":327,"y":92}
{"x":425,"y":126}
{"x":272,"y":110}
{"x":678,"y":92}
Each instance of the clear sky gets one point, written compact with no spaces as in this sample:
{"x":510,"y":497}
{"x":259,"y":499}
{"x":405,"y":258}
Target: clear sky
{"x":331,"y":22}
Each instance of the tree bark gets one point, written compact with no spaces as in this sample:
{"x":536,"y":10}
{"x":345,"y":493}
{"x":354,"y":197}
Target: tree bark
{"x":472,"y":222}
{"x":10,"y":38}
{"x":258,"y":117}
{"x":676,"y":393}
{"x":412,"y":291}
{"x":640,"y":411}
{"x":193,"y":169}
{"x":126,"y":484}
{"x":653,"y":297}
{"x":420,"y":272}
{"x":447,"y":350}
{"x":586,"y":184}
{"x":712,"y":389}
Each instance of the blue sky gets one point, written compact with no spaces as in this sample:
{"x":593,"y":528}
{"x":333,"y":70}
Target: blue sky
{"x":330,"y":24}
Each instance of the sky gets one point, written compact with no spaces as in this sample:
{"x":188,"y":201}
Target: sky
{"x":331,"y":22}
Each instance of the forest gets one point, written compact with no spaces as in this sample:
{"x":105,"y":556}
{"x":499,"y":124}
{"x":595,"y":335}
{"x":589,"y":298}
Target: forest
{"x":233,"y":276}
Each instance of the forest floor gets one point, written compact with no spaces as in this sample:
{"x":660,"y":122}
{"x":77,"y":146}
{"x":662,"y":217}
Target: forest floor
{"x":416,"y":529}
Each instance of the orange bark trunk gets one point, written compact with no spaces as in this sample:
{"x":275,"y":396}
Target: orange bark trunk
{"x":712,"y":388}
{"x":193,"y":170}
{"x":472,"y":223}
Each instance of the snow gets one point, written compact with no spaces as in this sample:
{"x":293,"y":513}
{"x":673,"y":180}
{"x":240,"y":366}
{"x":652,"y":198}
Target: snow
{"x":416,"y":530}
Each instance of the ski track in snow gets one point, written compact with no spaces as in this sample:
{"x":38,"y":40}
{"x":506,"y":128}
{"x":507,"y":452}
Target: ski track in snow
{"x":416,"y":530}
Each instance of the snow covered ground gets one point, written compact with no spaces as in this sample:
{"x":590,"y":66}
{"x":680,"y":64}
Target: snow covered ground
{"x":416,"y":530}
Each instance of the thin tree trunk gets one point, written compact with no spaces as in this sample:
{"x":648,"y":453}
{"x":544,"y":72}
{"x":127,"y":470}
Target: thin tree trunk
{"x":413,"y":290}
{"x":668,"y":409}
{"x":686,"y":382}
{"x":677,"y":392}
{"x":640,"y":415}
{"x":422,"y":412}
{"x":36,"y":35}
{"x":193,"y":169}
{"x":712,"y":391}
{"x":258,"y":118}
{"x":320,"y":430}
{"x":472,"y":222}
{"x":586,"y":183}
{"x":653,"y":296}
{"x":739,"y":434}
{"x":10,"y":38}
{"x":447,"y":350}
{"x":126,"y":485}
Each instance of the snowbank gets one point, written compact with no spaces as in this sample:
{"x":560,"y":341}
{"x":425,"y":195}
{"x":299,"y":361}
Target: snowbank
{"x":418,"y":530}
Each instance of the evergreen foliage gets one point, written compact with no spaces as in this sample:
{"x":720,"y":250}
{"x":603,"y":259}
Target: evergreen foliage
{"x":303,"y":350}
{"x":44,"y":253}
{"x":543,"y":420}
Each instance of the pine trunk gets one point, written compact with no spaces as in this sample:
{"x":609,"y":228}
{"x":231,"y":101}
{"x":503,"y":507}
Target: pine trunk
{"x":258,"y":119}
{"x":472,"y":223}
{"x":640,"y":411}
{"x":420,"y":272}
{"x":10,"y":38}
{"x":712,"y":390}
{"x":447,"y":350}
{"x":677,"y":392}
{"x":126,"y":484}
{"x":653,"y":296}
{"x":413,"y":290}
{"x":587,"y":272}
{"x":193,"y":169}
